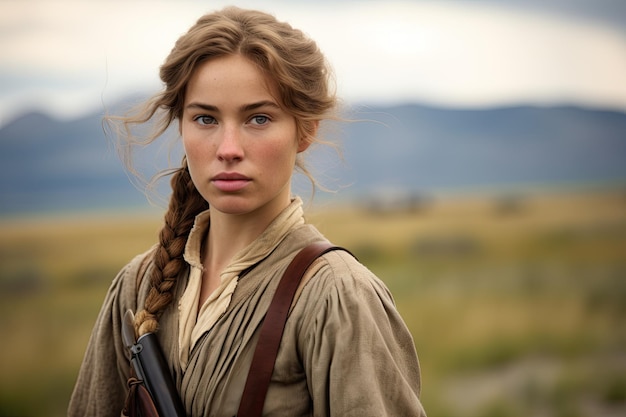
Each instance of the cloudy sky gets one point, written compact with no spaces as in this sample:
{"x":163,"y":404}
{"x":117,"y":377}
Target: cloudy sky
{"x":69,"y":57}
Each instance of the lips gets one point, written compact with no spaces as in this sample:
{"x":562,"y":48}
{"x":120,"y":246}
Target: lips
{"x":230,"y":181}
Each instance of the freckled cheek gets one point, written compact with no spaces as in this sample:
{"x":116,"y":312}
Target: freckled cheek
{"x":197,"y":150}
{"x":276,"y":159}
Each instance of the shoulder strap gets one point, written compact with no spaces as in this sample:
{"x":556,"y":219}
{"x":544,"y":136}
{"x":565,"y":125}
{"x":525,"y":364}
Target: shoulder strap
{"x":272,"y":328}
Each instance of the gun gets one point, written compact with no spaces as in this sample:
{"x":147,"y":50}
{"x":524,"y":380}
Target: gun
{"x":151,"y":369}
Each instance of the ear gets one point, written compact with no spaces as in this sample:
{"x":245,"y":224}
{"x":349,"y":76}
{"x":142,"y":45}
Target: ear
{"x":311,"y":132}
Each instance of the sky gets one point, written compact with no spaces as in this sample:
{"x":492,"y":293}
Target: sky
{"x":68,"y":58}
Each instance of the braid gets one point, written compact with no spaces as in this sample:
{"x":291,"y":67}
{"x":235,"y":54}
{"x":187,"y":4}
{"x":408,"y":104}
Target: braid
{"x":185,"y":204}
{"x":303,"y":81}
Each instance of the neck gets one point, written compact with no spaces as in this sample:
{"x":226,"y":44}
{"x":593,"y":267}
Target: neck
{"x":230,"y":233}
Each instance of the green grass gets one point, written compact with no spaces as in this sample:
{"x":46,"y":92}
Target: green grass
{"x":512,"y":314}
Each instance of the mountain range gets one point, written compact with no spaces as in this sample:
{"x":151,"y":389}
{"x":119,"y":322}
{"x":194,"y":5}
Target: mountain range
{"x":53,"y":165}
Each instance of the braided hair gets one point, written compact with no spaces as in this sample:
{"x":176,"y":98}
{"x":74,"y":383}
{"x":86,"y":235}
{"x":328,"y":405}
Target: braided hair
{"x":185,"y":204}
{"x":302,"y":77}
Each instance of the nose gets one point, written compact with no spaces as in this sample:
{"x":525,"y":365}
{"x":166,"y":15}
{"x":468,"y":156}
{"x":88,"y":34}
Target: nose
{"x":229,"y":148}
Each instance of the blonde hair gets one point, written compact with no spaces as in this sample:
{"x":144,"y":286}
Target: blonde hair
{"x":303,"y":81}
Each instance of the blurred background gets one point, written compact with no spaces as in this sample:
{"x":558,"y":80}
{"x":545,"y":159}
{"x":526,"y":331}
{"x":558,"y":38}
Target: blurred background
{"x":484,"y":180}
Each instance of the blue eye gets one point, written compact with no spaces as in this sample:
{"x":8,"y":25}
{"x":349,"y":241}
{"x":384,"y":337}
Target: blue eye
{"x":260,"y":120}
{"x":204,"y":120}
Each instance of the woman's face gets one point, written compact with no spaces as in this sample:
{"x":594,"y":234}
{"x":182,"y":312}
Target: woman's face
{"x":240,"y":144}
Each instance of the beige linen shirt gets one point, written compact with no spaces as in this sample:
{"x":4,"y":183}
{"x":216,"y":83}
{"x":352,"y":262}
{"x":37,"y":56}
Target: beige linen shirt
{"x":193,"y":323}
{"x":345,"y":350}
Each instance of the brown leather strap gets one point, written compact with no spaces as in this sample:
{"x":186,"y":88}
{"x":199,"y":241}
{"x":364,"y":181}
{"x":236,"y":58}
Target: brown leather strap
{"x":264,"y":357}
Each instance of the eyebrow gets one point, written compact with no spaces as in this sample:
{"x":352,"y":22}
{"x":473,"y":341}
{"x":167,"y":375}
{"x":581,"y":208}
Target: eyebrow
{"x":244,"y":108}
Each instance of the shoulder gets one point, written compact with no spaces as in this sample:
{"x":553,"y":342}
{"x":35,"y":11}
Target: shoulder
{"x":344,"y":301}
{"x":126,"y":283}
{"x":137,"y":266}
{"x":338,"y":277}
{"x":334,"y":276}
{"x":341,"y":268}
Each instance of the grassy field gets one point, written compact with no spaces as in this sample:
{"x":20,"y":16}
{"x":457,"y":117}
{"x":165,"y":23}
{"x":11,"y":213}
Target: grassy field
{"x":517,"y":305}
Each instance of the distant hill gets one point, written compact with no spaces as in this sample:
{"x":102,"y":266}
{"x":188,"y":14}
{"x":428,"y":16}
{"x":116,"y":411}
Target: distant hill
{"x":47,"y":164}
{"x":426,"y":148}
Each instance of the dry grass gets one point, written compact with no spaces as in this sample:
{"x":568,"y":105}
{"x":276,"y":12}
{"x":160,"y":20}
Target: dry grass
{"x":482,"y":289}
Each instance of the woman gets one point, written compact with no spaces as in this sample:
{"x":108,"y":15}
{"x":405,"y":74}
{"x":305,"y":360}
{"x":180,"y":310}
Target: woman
{"x":248,"y":94}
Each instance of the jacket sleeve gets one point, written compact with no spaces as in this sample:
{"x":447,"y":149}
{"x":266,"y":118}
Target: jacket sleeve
{"x":100,"y":388}
{"x":359,"y":356}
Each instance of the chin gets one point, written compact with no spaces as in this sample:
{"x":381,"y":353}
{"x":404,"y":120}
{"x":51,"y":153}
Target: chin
{"x":232,"y":205}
